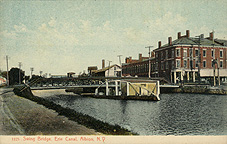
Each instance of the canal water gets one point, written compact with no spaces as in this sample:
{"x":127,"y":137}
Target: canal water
{"x":174,"y":114}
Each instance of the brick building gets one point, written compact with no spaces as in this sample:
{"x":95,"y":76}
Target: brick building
{"x":138,"y":67}
{"x":185,"y":58}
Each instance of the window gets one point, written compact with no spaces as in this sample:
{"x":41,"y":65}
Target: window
{"x":196,"y":52}
{"x":185,"y":63}
{"x":167,"y":54}
{"x":162,"y":55}
{"x":173,"y":53}
{"x":185,"y":53}
{"x":196,"y":63}
{"x":190,"y":53}
{"x":221,"y":53}
{"x":177,"y":63}
{"x":156,"y":66}
{"x":213,"y":53}
{"x":191,"y":64}
{"x":162,"y":66}
{"x":221,"y":64}
{"x":167,"y":65}
{"x":177,"y":52}
{"x":173,"y":66}
{"x":204,"y":64}
{"x":204,"y":53}
{"x":212,"y":63}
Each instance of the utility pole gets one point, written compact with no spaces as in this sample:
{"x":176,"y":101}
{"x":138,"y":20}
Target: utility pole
{"x":7,"y":67}
{"x":20,"y":64}
{"x":40,"y":72}
{"x":199,"y":59}
{"x":120,"y":63}
{"x":214,"y":73}
{"x":149,"y":72}
{"x":219,"y":81}
{"x":32,"y":69}
{"x":109,"y":68}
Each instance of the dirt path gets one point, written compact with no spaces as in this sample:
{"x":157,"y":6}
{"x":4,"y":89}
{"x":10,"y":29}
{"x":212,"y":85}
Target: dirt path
{"x":20,"y":116}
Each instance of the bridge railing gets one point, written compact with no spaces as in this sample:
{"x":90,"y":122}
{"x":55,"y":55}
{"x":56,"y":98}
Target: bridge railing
{"x":50,"y":82}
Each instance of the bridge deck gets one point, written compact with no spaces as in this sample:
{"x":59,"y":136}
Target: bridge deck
{"x":89,"y":86}
{"x":169,"y":86}
{"x":64,"y":87}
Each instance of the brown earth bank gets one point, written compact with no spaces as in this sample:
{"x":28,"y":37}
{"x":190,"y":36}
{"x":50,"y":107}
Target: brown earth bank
{"x":80,"y":118}
{"x":20,"y":116}
{"x":196,"y":90}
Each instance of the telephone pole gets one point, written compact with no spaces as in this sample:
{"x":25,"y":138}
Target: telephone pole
{"x":32,"y":69}
{"x":120,"y":63}
{"x":109,"y":68}
{"x":7,"y":67}
{"x":199,"y":58}
{"x":149,"y":72}
{"x":20,"y":64}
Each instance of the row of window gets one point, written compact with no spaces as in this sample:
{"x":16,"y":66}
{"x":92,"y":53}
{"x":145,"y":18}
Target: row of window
{"x":204,"y":53}
{"x":138,"y":68}
{"x":154,"y":67}
{"x":166,"y":55}
{"x":178,"y":64}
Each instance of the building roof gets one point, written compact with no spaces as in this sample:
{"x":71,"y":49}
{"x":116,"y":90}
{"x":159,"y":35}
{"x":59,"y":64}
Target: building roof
{"x":105,"y":68}
{"x":193,"y":41}
{"x":220,"y":41}
{"x":92,"y":68}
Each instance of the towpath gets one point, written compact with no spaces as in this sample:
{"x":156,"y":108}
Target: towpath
{"x":19,"y":116}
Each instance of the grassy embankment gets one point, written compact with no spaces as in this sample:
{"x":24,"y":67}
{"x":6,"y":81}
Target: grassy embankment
{"x":83,"y":119}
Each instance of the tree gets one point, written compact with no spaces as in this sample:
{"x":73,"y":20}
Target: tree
{"x":14,"y":76}
{"x":3,"y":74}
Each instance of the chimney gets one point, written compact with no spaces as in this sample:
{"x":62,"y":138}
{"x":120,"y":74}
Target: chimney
{"x":140,"y":57}
{"x":211,"y":36}
{"x":179,"y":35}
{"x":187,"y":33}
{"x":126,"y":60}
{"x":103,"y":63}
{"x":159,"y":44}
{"x":202,"y":36}
{"x":170,"y":40}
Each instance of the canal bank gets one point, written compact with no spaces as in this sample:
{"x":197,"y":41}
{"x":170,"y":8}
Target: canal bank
{"x":196,"y":89}
{"x":80,"y":118}
{"x":20,"y":116}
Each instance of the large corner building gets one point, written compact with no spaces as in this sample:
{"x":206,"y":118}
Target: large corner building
{"x":191,"y":59}
{"x":186,"y":59}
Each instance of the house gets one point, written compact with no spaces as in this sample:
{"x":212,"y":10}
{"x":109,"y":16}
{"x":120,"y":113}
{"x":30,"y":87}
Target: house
{"x":110,"y":71}
{"x":191,"y":59}
{"x":91,"y":69}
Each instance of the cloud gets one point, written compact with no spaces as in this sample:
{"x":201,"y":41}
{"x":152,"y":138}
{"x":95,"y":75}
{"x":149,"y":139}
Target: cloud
{"x":52,"y":22}
{"x":20,"y":28}
{"x":9,"y":35}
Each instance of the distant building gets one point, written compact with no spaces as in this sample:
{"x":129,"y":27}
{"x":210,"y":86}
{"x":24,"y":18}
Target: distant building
{"x":179,"y":59}
{"x":110,"y":71}
{"x":58,"y":76}
{"x":92,"y":69}
{"x":71,"y":74}
{"x":2,"y":80}
{"x":138,"y":67}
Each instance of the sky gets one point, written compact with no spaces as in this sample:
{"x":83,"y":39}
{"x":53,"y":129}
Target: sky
{"x":57,"y":37}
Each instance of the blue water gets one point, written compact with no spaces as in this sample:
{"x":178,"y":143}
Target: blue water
{"x":175,"y":114}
